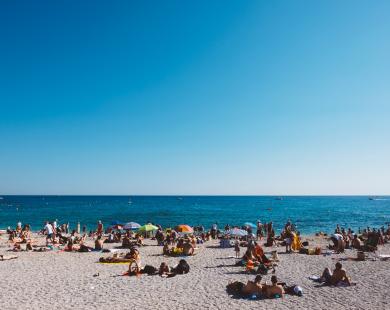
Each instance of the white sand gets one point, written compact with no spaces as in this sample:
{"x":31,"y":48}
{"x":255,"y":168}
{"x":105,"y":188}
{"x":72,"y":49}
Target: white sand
{"x":65,"y":280}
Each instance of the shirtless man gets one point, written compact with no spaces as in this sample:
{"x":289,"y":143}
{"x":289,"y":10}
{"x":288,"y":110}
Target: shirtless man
{"x":253,"y":287}
{"x":274,"y":289}
{"x":339,"y":276}
{"x":99,"y":243}
{"x":357,"y":243}
{"x":188,"y":249}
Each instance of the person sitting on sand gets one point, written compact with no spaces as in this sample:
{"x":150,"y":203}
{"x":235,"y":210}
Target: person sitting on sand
{"x":357,"y":243}
{"x":339,"y":276}
{"x":134,"y":254}
{"x":166,"y":249}
{"x":253,"y":287}
{"x":259,"y":255}
{"x":139,"y":240}
{"x":188,"y":249}
{"x":270,"y":238}
{"x":274,"y":290}
{"x":99,"y":243}
{"x":126,"y":241}
{"x":182,"y":267}
{"x":338,"y":243}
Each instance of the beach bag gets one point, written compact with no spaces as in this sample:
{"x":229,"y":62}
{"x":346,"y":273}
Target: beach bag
{"x":235,"y":288}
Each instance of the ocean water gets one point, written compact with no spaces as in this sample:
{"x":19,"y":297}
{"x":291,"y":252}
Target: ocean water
{"x":310,"y":213}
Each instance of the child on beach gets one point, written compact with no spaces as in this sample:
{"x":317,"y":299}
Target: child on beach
{"x":237,"y":248}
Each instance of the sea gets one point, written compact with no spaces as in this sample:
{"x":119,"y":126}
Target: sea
{"x":309,"y":213}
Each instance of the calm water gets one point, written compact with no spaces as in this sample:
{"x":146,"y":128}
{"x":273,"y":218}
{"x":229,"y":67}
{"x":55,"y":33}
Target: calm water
{"x":310,"y":213}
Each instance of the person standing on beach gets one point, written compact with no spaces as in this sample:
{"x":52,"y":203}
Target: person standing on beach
{"x":237,"y":248}
{"x":99,"y":228}
{"x":49,"y":232}
{"x":259,"y":232}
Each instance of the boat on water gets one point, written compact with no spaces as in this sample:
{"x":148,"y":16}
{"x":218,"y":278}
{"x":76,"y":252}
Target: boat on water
{"x":376,"y":198}
{"x":279,"y":198}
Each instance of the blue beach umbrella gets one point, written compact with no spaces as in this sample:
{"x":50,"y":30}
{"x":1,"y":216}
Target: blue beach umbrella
{"x":131,"y":226}
{"x":237,"y":232}
{"x":250,"y":225}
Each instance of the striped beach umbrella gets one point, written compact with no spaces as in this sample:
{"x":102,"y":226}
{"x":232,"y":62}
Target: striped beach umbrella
{"x":131,"y":226}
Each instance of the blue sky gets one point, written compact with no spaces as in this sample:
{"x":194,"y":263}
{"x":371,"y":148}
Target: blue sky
{"x":201,"y":97}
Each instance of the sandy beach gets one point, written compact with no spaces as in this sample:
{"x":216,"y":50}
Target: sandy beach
{"x":66,"y":280}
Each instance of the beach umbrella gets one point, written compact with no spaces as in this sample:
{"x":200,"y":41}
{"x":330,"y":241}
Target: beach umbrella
{"x":148,"y":227}
{"x":184,"y":229}
{"x":237,"y":232}
{"x":250,"y":225}
{"x":131,"y":226}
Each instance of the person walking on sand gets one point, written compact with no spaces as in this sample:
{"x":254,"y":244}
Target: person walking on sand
{"x":237,"y":248}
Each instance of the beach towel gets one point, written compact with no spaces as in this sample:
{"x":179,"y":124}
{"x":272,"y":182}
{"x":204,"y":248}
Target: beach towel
{"x":7,"y":257}
{"x":114,"y":263}
{"x":315,"y":278}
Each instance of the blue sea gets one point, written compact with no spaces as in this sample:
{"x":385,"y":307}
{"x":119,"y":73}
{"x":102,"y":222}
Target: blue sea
{"x":310,"y":213}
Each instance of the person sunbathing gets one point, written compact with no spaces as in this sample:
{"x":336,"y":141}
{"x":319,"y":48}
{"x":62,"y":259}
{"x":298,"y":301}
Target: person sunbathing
{"x":188,"y":249}
{"x":253,"y":287}
{"x":114,"y":259}
{"x":339,"y":276}
{"x":164,"y":270}
{"x":166,"y":249}
{"x":99,"y":243}
{"x":126,"y":242}
{"x":134,"y":255}
{"x":274,"y":290}
{"x":259,"y":255}
{"x":139,"y":240}
{"x":182,"y":267}
{"x":357,"y":243}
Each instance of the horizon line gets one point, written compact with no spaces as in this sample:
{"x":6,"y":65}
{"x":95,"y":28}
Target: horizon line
{"x":204,"y":195}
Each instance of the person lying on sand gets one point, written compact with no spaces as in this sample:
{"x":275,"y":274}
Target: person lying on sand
{"x":338,"y":277}
{"x":164,"y":269}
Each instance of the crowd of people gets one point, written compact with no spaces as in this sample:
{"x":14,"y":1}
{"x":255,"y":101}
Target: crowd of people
{"x":174,"y":243}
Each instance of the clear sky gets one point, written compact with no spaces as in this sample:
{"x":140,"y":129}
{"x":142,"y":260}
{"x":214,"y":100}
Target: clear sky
{"x":194,"y":97}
